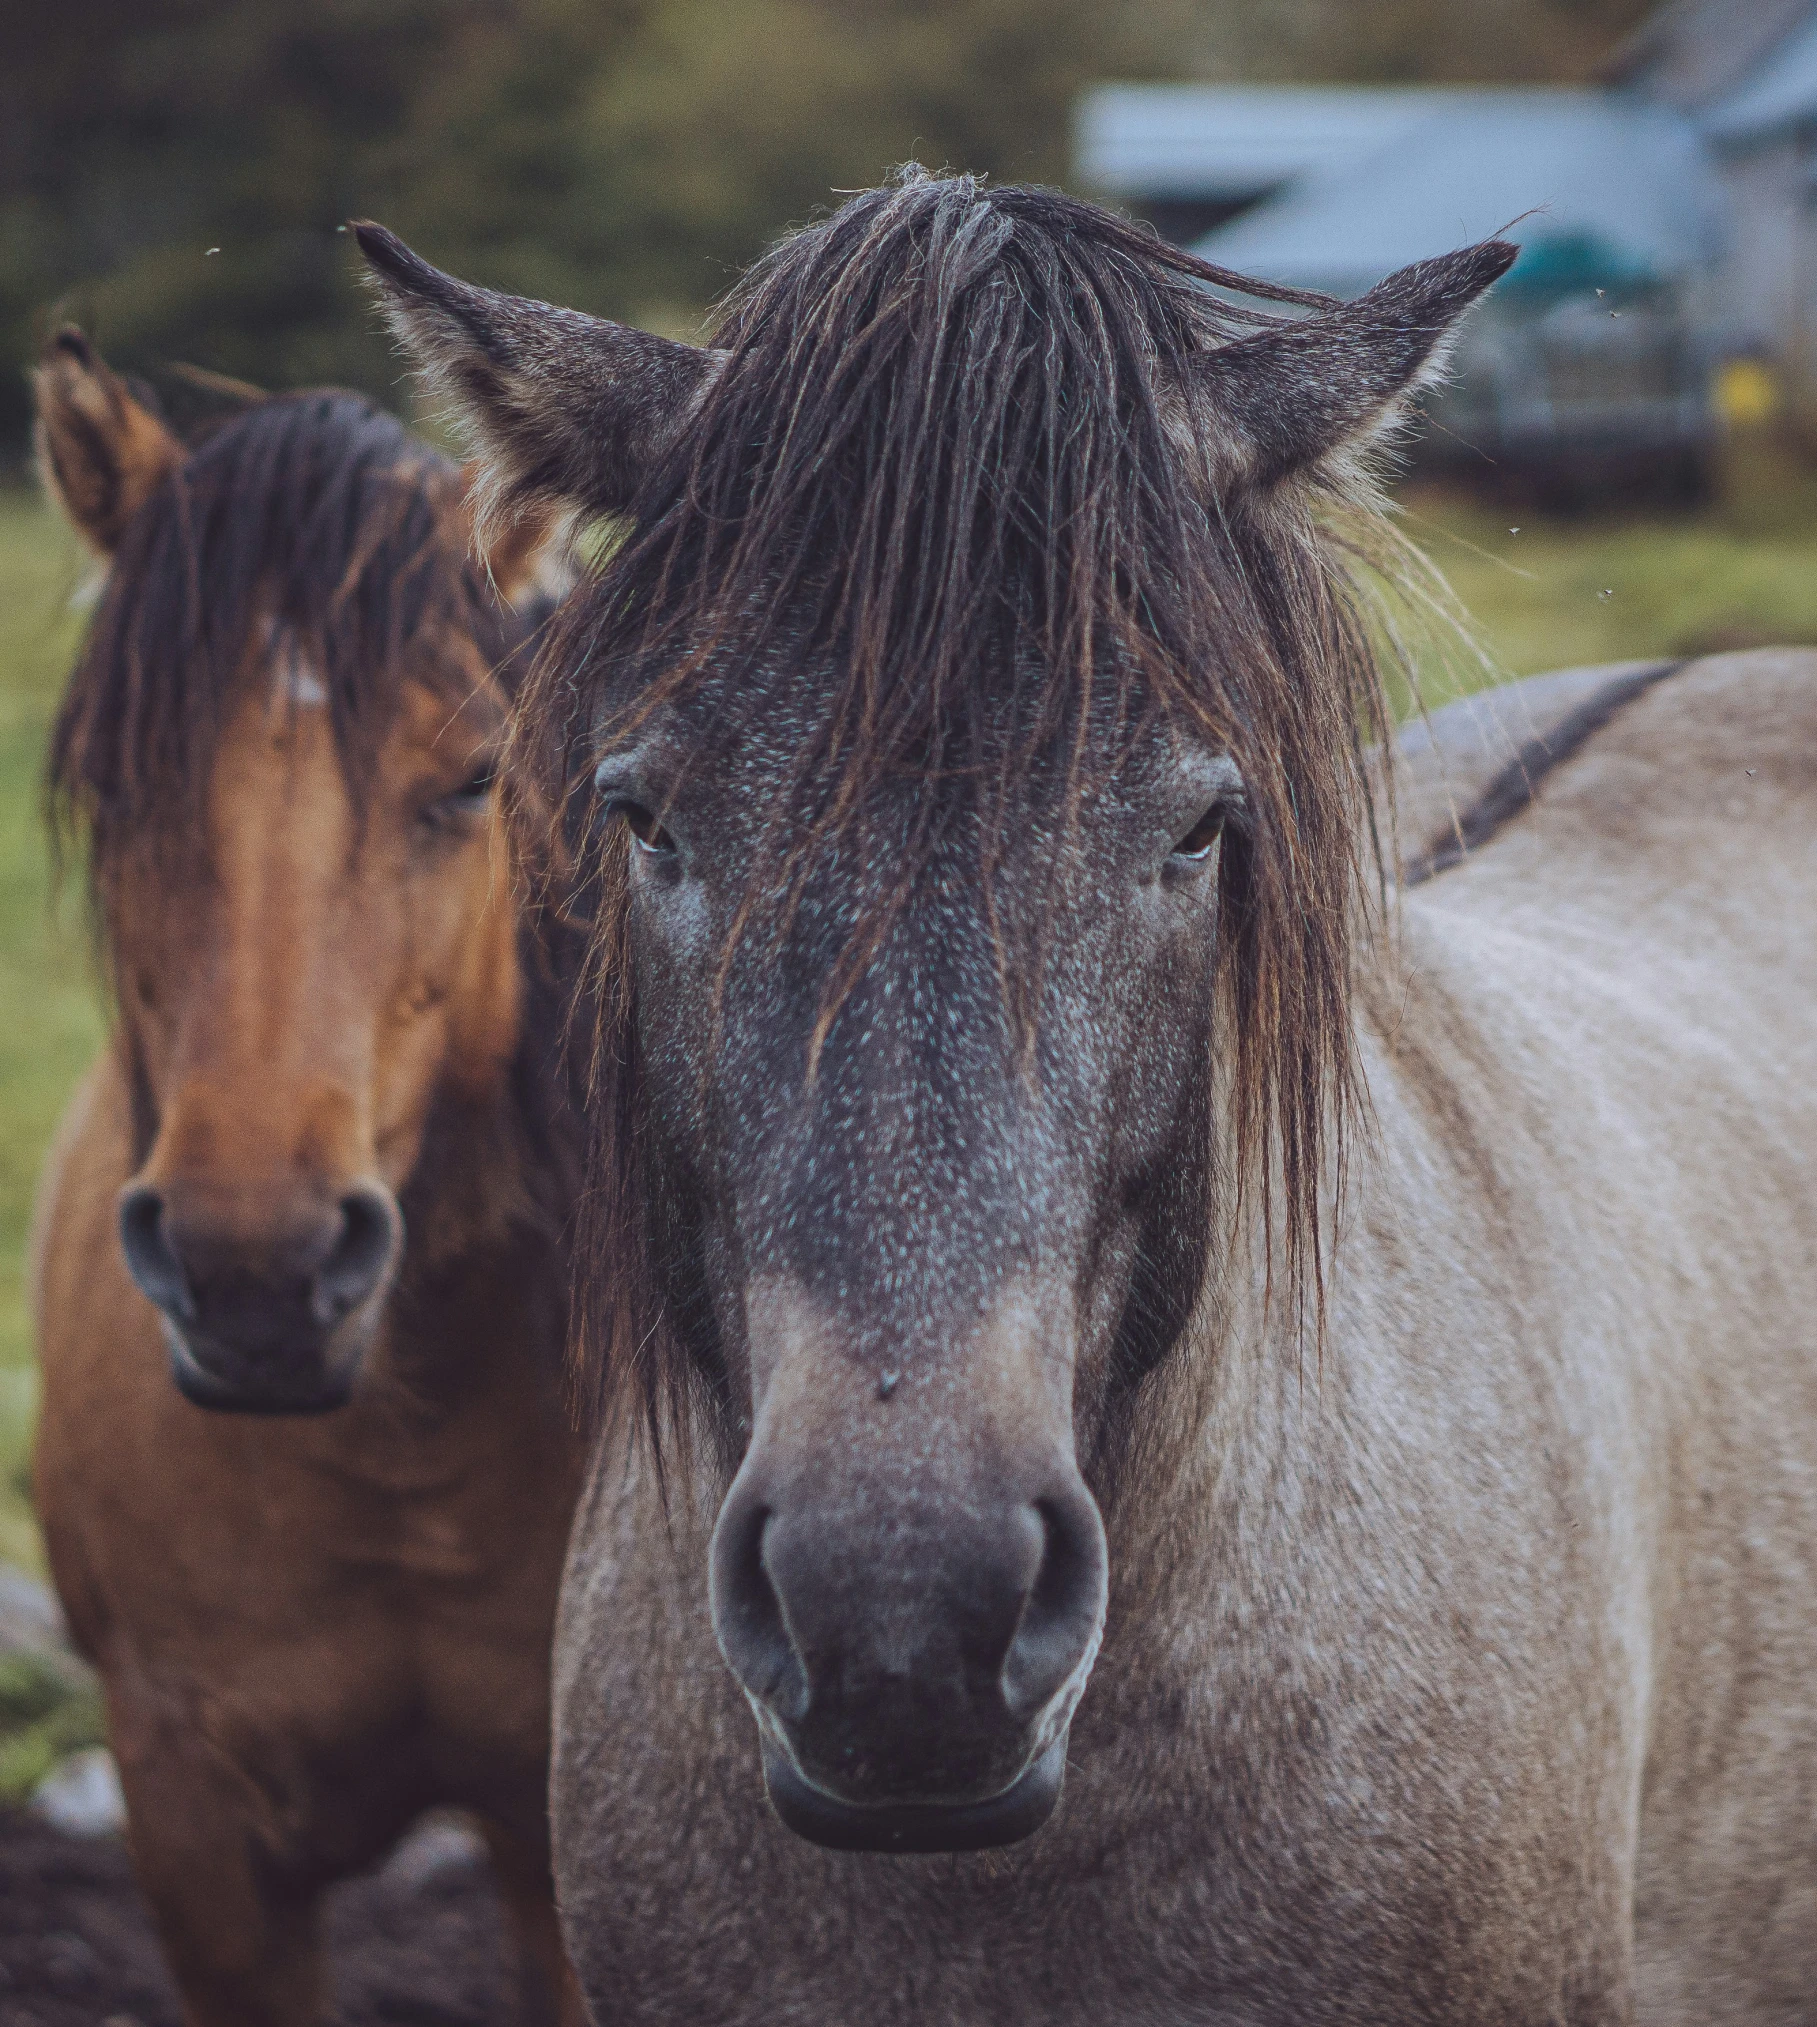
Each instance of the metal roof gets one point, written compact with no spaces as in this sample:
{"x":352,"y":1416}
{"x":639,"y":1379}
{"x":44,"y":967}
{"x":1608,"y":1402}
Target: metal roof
{"x":1530,"y":164}
{"x":1230,"y":141}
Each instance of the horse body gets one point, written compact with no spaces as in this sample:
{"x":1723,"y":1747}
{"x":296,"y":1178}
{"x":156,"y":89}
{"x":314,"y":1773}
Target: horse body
{"x":1650,"y":920}
{"x":317,"y":1182}
{"x":1411,"y":1624}
{"x":313,"y":1630}
{"x":1431,"y":1687}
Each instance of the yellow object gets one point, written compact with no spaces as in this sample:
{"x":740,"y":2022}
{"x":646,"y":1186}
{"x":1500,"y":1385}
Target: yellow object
{"x":1747,"y":391}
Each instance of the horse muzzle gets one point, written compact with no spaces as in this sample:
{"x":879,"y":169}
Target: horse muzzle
{"x":908,"y":1827}
{"x":276,"y":1320}
{"x":914,"y":1680}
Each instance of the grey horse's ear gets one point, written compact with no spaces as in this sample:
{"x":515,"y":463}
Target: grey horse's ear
{"x":563,"y":411}
{"x":1284,"y":399}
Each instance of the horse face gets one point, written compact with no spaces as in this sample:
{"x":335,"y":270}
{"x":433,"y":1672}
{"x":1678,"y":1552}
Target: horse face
{"x":291,"y":1020}
{"x":309,"y":910}
{"x":937,"y":1246}
{"x":930,"y":1180}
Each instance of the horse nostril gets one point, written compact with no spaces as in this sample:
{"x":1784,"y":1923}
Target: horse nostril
{"x":361,"y":1256}
{"x":150,"y":1258}
{"x":1065,"y":1606}
{"x":747,"y":1613}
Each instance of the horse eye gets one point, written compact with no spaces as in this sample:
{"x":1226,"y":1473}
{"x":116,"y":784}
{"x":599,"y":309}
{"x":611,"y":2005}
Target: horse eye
{"x":1198,"y":842}
{"x":645,"y":830}
{"x":453,"y":810}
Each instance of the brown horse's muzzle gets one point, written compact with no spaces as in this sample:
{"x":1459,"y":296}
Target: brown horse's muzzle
{"x":911,"y":1597}
{"x":268,"y":1308}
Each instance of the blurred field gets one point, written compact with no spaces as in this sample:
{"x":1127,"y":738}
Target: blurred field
{"x":1743,"y":573}
{"x":48,"y":1022}
{"x":1549,"y":593}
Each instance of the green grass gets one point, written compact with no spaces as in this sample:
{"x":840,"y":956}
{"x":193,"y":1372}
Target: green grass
{"x":1562,"y":593}
{"x":46,"y":1711}
{"x":1557,"y":593}
{"x":48,"y":1021}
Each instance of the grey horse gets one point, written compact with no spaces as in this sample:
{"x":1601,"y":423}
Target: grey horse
{"x":1190,"y":1431}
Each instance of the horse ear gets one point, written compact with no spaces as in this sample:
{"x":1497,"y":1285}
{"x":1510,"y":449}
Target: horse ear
{"x":564,"y":411}
{"x":1281,"y":400}
{"x":101,"y":453}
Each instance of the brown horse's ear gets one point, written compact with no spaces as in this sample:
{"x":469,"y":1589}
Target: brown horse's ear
{"x":564,"y":411}
{"x":1281,"y":400}
{"x":101,"y":452}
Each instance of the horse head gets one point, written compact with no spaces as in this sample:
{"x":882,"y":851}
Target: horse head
{"x":971,"y":727}
{"x":280,"y":747}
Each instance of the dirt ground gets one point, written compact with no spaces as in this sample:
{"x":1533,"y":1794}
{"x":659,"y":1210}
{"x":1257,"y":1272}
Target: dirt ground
{"x":76,"y":1944}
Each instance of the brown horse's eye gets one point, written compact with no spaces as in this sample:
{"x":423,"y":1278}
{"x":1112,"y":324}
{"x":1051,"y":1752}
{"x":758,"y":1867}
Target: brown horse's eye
{"x":452,"y":811}
{"x":648,"y":834}
{"x":1198,"y":842}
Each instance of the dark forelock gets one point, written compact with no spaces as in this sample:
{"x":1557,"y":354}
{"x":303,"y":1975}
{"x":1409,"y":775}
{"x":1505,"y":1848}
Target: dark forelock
{"x":951,"y":465}
{"x":317,"y":510}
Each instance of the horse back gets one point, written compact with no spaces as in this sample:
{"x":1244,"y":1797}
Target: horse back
{"x":1444,"y":767}
{"x":1627,"y":793}
{"x":1615,"y":984}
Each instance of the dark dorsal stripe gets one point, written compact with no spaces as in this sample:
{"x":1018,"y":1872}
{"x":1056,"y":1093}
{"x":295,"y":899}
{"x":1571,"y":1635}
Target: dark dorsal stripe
{"x":1516,"y":787}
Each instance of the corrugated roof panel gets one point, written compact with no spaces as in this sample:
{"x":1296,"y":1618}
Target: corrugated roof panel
{"x":1228,"y":141}
{"x":1625,"y":173}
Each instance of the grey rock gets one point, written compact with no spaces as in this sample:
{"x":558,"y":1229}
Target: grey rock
{"x":30,"y":1618}
{"x":32,"y":1623}
{"x":81,"y":1795}
{"x":438,"y":1845}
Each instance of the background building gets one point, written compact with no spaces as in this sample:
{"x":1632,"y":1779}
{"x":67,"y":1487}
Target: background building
{"x":1667,"y":215}
{"x":1743,"y":75}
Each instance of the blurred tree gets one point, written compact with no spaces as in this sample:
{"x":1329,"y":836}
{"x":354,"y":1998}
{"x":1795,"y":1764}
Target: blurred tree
{"x":628,"y":156}
{"x":135,"y":137}
{"x":1395,"y":41}
{"x":639,"y":177}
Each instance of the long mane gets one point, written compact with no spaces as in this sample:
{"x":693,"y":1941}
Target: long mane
{"x":952,"y":468}
{"x":316,"y":511}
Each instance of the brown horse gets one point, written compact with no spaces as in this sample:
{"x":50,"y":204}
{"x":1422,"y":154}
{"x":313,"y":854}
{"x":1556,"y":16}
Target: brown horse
{"x":319,"y":1181}
{"x":995,"y":946}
